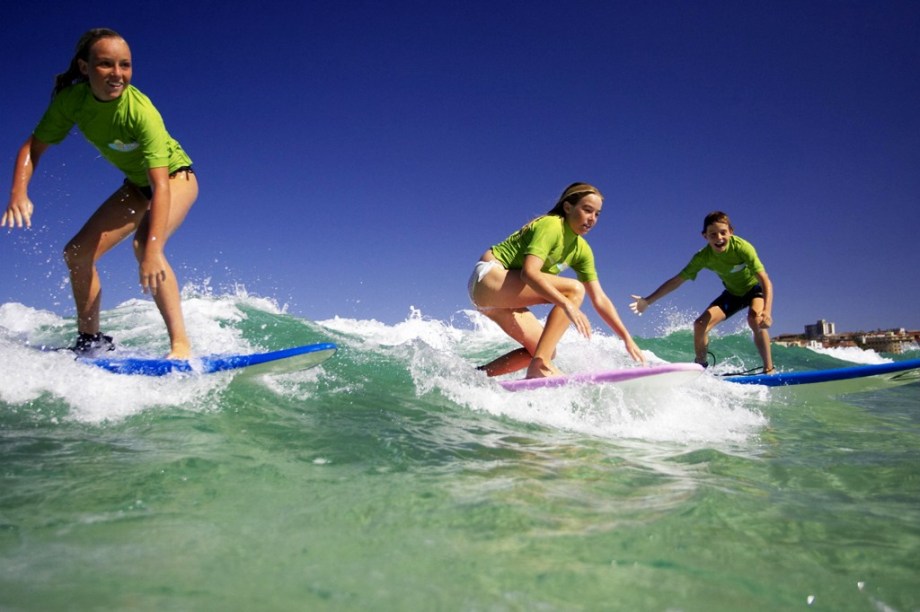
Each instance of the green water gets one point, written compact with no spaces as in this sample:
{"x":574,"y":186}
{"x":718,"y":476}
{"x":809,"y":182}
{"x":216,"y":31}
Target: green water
{"x":393,"y":478}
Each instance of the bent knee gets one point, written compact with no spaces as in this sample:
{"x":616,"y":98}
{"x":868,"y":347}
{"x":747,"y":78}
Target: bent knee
{"x":75,"y":254}
{"x":575,"y":292}
{"x":705,"y":322}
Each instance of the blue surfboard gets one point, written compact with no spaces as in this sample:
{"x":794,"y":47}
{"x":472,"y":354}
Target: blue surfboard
{"x":884,"y":374}
{"x":273,"y":362}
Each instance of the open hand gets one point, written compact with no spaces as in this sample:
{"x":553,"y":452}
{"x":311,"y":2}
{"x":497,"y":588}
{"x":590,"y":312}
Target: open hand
{"x":634,"y":351}
{"x":578,"y":319}
{"x":639,"y":305}
{"x":18,"y":213}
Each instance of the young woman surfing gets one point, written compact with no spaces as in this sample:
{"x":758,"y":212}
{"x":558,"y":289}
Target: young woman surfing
{"x":523,"y":271}
{"x":96,"y":94}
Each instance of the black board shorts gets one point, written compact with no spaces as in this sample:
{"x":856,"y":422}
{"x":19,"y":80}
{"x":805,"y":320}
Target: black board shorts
{"x":730,"y":303}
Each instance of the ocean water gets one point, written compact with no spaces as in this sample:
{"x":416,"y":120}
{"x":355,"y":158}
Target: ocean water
{"x":396,"y":477}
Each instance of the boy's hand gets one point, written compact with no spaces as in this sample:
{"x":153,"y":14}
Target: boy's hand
{"x":639,"y":305}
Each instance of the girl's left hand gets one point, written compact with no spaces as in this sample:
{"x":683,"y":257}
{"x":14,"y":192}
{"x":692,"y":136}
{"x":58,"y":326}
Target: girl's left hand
{"x":634,"y":351}
{"x":152,"y":272}
{"x":578,"y":318}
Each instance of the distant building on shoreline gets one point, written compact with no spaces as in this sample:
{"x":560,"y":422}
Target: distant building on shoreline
{"x":824,"y":333}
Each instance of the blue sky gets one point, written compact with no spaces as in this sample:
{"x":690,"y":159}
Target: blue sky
{"x":356,"y":158}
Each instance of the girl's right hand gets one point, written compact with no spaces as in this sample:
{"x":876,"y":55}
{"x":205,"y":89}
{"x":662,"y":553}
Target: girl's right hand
{"x":18,"y":212}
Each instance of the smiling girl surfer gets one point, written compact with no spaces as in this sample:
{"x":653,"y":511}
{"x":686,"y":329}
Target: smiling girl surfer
{"x":96,"y":94}
{"x":746,"y":283}
{"x":522,"y":271}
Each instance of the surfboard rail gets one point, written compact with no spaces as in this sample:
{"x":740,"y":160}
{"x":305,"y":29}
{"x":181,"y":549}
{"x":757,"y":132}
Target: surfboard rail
{"x":895,"y":372}
{"x":272,"y":362}
{"x":664,"y":373}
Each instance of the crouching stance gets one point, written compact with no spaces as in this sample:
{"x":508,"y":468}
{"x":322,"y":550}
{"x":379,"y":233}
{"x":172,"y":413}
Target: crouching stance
{"x":523,"y":271}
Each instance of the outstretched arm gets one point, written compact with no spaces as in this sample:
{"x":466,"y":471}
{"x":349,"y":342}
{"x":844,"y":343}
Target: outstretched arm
{"x":605,"y":308}
{"x":667,"y":287}
{"x":19,"y":209}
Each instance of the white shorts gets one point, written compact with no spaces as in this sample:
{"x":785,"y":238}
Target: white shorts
{"x":479,"y":272}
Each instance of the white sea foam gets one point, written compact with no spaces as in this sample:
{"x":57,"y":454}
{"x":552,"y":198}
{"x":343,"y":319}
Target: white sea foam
{"x":93,"y":395}
{"x":439,"y":356}
{"x":853,"y":354}
{"x":708,"y":410}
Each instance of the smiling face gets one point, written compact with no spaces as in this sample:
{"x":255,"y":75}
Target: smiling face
{"x":582,"y":215}
{"x":717,"y":235}
{"x":108,"y":68}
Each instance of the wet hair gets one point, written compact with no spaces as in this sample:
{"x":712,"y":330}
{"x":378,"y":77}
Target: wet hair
{"x":717,"y":216}
{"x":573,"y":194}
{"x":72,"y":75}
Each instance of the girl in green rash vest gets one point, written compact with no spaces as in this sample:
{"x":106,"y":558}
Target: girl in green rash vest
{"x":96,"y":94}
{"x":746,"y":284}
{"x":523,"y":271}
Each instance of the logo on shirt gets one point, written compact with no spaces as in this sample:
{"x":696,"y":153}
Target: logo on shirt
{"x":124,"y":147}
{"x":739,"y":268}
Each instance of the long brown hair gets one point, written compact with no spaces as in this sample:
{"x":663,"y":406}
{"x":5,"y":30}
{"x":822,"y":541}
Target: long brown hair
{"x":72,"y":75}
{"x":573,"y":194}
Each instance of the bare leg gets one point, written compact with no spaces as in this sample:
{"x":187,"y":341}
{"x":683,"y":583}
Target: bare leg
{"x":556,"y":324}
{"x":701,"y":328}
{"x":504,"y":297}
{"x":169,"y":303}
{"x":761,"y":335}
{"x":762,"y":342}
{"x":515,"y":360}
{"x":183,"y":190}
{"x":522,"y":326}
{"x":112,"y":222}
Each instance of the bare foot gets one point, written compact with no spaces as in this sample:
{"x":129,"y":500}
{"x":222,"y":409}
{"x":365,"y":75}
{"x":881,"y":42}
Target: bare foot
{"x":541,"y":369}
{"x":180,"y":351}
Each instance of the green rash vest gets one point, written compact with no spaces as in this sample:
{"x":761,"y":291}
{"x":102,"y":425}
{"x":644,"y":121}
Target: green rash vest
{"x":737,"y":266}
{"x":551,"y":239}
{"x":128,"y":131}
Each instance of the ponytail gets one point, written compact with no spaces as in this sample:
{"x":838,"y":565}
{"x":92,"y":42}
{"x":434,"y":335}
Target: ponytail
{"x":573,"y":195}
{"x":73,"y":75}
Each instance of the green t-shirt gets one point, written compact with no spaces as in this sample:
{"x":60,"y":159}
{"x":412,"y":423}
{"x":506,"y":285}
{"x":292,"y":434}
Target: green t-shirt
{"x":128,"y":131}
{"x":737,"y":266}
{"x":551,"y":239}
